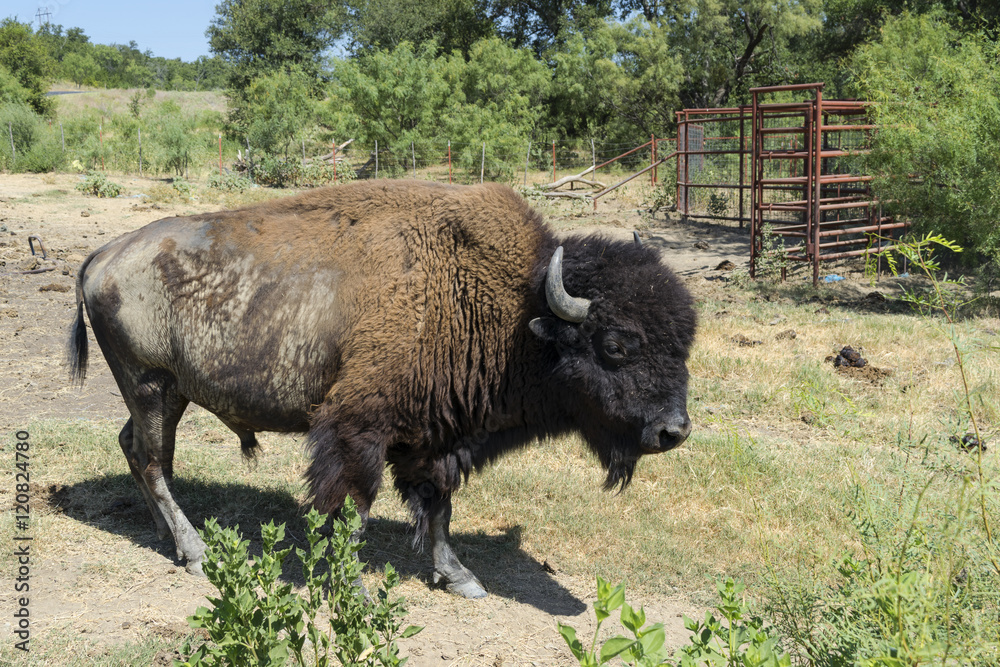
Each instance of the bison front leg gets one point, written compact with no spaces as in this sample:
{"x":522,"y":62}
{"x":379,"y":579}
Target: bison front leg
{"x":447,"y":568}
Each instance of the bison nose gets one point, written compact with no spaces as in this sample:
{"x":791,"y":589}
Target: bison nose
{"x":667,"y":434}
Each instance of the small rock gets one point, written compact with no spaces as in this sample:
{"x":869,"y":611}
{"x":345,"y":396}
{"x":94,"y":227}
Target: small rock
{"x":28,"y":263}
{"x":84,"y":214}
{"x":701,"y":245}
{"x":725,"y":265}
{"x":126,"y":625}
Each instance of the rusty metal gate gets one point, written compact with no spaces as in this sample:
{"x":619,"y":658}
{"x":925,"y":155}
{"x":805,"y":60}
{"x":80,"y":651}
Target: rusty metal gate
{"x":798,"y":162}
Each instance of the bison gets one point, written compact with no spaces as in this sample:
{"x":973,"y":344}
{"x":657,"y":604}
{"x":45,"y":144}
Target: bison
{"x":428,"y":327}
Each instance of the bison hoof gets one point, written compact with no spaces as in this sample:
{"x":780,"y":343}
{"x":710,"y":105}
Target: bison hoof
{"x":468,"y":587}
{"x":194,"y":567}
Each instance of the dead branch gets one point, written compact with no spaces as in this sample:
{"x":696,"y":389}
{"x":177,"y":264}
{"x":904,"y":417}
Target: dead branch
{"x":576,"y":178}
{"x":570,"y":195}
{"x":329,"y":156}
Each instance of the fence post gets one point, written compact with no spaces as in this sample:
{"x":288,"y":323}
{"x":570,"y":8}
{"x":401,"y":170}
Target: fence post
{"x":334,"y":161}
{"x":220,"y":153}
{"x":13,"y":155}
{"x":376,"y":158}
{"x":652,"y":147}
{"x":527,"y":157}
{"x":482,"y":164}
{"x":553,"y":160}
{"x":413,"y":155}
{"x":593,"y":156}
{"x":449,"y":161}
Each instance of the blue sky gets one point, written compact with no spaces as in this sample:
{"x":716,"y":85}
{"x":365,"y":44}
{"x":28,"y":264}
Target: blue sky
{"x":173,"y":29}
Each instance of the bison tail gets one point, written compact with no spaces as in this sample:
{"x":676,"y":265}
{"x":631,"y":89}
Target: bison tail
{"x":77,"y":350}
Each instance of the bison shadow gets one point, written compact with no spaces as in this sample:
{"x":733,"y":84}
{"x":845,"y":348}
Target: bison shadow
{"x":113,"y":503}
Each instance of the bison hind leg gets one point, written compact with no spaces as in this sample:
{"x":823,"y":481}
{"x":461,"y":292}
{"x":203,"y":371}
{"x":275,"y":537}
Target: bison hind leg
{"x":148,"y":443}
{"x":126,"y":439}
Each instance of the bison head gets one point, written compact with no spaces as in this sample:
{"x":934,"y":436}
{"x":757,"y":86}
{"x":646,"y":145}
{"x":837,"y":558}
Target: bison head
{"x":619,"y":334}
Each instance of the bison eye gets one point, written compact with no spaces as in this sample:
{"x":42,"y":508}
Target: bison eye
{"x":613,"y":351}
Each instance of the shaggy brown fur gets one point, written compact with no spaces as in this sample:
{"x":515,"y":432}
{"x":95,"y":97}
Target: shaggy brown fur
{"x":390,"y":320}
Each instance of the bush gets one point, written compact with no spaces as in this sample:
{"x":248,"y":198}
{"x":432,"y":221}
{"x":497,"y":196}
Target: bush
{"x":98,"y":185}
{"x":229,"y":182}
{"x":36,"y":145}
{"x":259,"y":621}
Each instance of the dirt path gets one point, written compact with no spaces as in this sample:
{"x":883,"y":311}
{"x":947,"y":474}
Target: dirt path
{"x":36,"y":310}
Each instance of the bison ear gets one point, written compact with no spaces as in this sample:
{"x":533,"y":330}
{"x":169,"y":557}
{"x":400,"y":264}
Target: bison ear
{"x":544,"y":327}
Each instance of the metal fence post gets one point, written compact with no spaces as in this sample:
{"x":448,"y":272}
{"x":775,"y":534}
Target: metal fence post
{"x":482,"y":164}
{"x":527,"y":157}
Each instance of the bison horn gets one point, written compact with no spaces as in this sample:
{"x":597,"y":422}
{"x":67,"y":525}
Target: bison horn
{"x":566,"y":307}
{"x":635,"y":237}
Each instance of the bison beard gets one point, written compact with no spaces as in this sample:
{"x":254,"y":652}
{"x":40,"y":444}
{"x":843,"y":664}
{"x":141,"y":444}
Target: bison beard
{"x":425,"y":327}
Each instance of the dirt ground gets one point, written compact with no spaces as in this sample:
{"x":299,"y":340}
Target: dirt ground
{"x":36,"y":310}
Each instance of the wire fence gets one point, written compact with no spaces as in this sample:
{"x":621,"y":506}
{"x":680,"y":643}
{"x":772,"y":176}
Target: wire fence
{"x":156,"y":151}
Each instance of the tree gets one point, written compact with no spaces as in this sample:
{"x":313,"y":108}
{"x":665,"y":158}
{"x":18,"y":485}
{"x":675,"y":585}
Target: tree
{"x":260,"y":37}
{"x":375,"y":98}
{"x":24,"y":55}
{"x":936,"y":96}
{"x":385,"y":24}
{"x":619,"y":79}
{"x":79,"y":69}
{"x":727,"y":46}
{"x":543,"y":24}
{"x":278,"y":107}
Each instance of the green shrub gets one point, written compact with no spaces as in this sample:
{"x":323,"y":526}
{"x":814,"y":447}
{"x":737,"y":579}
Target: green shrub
{"x":741,"y":640}
{"x":259,"y":621}
{"x":98,"y":185}
{"x":33,"y":147}
{"x":229,"y":182}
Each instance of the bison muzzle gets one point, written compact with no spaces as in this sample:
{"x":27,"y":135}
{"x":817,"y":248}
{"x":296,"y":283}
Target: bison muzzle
{"x":428,"y":327}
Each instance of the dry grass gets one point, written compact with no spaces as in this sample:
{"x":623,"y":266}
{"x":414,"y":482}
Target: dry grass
{"x":115,"y":100}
